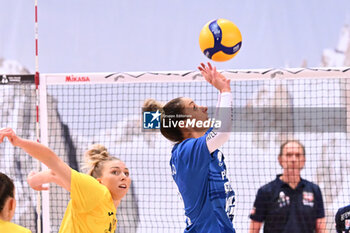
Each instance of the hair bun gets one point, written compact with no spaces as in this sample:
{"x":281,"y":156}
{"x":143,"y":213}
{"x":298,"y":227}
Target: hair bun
{"x":96,"y":152}
{"x":152,"y":105}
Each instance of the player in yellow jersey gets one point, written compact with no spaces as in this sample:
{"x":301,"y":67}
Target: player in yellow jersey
{"x":8,"y":206}
{"x":94,"y":197}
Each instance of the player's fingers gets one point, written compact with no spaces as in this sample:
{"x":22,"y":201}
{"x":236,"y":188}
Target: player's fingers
{"x":38,"y":188}
{"x":46,"y":186}
{"x":204,"y":68}
{"x":6,"y":133}
{"x":43,"y":188}
{"x":215,"y":73}
{"x":210,"y":66}
{"x":32,"y":173}
{"x":5,"y":130}
{"x":200,"y":69}
{"x":212,"y":73}
{"x":207,"y":77}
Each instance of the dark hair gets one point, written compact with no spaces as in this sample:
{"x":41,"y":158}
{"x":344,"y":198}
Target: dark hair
{"x":7,"y":189}
{"x":170,"y":111}
{"x":290,"y":141}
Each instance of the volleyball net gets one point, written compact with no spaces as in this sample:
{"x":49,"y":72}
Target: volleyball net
{"x":18,"y":111}
{"x":270,"y":106}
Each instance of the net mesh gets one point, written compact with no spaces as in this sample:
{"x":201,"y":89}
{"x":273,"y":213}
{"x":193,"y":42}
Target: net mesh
{"x":80,"y":114}
{"x":17,"y":110}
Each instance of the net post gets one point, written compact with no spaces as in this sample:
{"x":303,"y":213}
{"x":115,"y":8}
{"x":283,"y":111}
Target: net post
{"x":44,"y":141}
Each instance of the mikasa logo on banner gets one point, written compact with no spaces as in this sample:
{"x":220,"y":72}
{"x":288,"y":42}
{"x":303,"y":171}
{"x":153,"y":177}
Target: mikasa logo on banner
{"x":72,"y":78}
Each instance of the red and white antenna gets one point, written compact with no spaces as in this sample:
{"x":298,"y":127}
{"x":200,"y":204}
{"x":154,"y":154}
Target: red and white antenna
{"x":43,"y":211}
{"x":37,"y":127}
{"x":36,"y":77}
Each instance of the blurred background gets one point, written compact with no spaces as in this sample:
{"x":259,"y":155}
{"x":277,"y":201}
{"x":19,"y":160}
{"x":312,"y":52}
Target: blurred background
{"x":155,"y":35}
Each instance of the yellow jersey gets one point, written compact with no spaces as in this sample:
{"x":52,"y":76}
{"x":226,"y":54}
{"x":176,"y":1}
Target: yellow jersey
{"x":9,"y":227}
{"x":91,"y":208}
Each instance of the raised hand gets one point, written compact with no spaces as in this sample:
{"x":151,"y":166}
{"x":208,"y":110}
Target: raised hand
{"x":59,"y":172}
{"x":215,"y":78}
{"x":10,"y":134}
{"x":37,"y":180}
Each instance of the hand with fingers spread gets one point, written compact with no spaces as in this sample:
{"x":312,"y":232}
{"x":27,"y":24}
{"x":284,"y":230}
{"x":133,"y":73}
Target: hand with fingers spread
{"x":215,"y":78}
{"x":11,"y":135}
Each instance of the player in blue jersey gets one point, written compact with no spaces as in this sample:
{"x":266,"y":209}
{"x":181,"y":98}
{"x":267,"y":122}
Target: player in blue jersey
{"x":197,"y":165}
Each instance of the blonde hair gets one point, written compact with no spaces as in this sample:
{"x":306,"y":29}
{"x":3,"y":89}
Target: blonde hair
{"x":95,"y":157}
{"x":152,"y":105}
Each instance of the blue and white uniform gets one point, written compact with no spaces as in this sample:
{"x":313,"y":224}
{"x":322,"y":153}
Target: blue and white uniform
{"x":199,"y":170}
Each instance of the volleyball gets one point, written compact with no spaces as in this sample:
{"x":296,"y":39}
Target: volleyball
{"x":220,"y":40}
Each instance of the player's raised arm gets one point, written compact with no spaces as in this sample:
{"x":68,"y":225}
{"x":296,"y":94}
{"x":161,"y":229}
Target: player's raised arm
{"x":215,"y":78}
{"x":224,"y":112}
{"x":197,"y":166}
{"x":41,"y":153}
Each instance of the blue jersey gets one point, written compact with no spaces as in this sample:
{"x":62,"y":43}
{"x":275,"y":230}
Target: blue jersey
{"x":201,"y":179}
{"x":342,"y":220}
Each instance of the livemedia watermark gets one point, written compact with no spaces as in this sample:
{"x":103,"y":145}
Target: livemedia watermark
{"x":256,"y":119}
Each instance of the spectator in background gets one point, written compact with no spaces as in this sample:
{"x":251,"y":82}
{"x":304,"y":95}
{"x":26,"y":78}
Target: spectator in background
{"x":289,"y":203}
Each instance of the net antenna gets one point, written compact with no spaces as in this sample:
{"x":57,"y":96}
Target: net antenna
{"x":37,"y":127}
{"x":43,"y":211}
